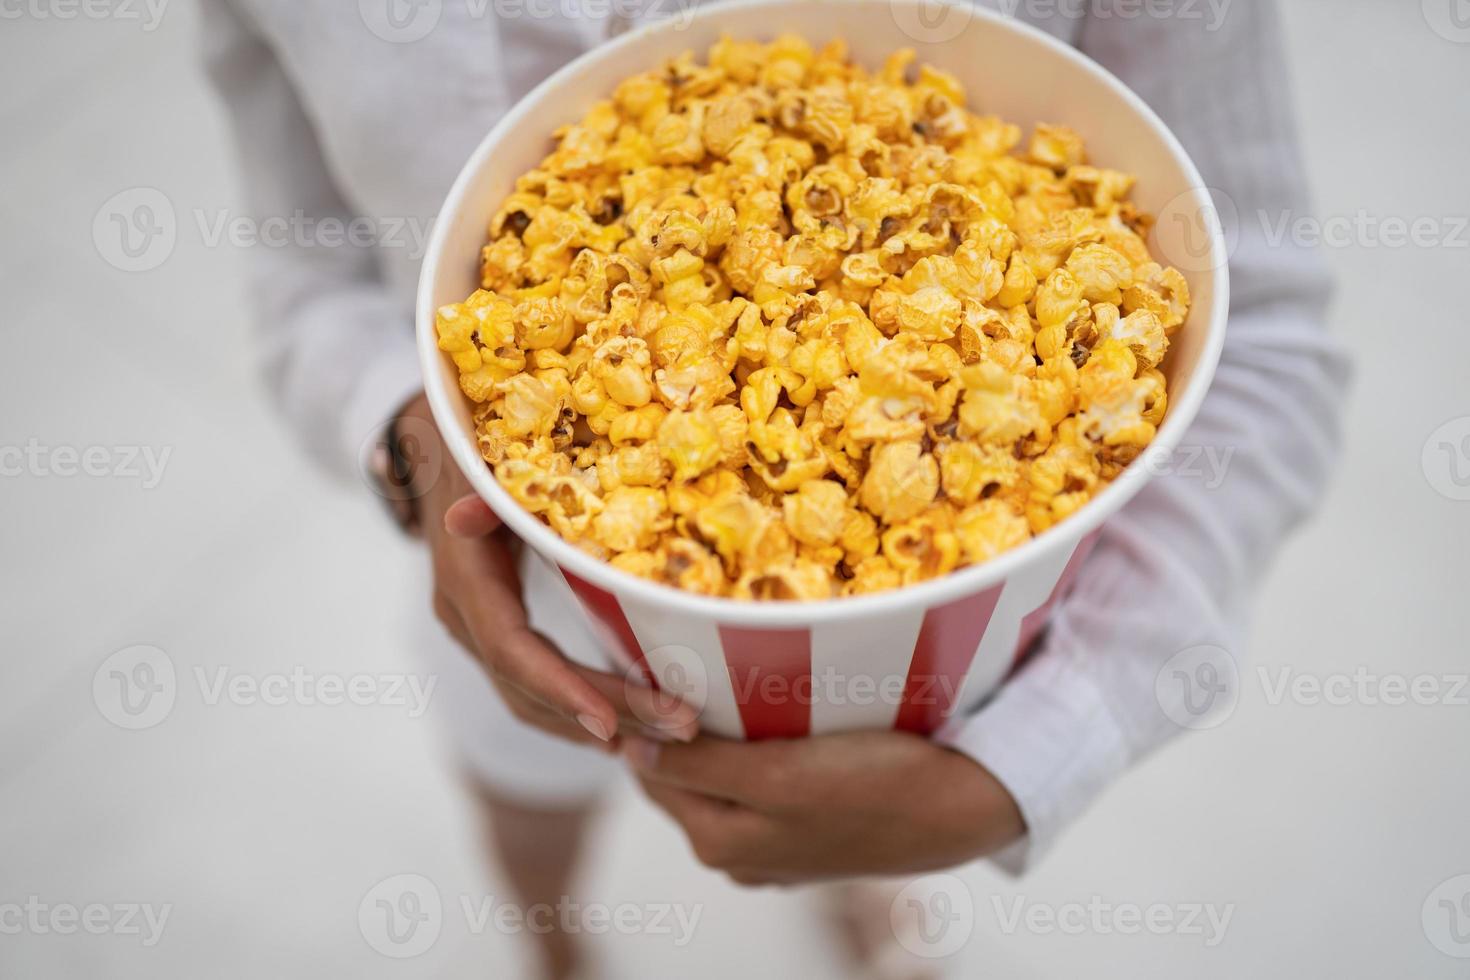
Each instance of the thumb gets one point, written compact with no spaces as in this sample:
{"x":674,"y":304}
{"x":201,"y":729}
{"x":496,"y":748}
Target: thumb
{"x":470,"y":517}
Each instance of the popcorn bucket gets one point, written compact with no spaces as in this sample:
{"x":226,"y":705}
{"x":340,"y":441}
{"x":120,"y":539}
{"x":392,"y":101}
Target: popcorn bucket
{"x":907,"y":659}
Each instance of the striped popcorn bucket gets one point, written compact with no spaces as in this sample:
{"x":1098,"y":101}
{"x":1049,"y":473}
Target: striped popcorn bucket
{"x":907,"y":659}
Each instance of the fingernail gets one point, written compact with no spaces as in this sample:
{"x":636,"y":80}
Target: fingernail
{"x":594,"y":725}
{"x":641,"y":753}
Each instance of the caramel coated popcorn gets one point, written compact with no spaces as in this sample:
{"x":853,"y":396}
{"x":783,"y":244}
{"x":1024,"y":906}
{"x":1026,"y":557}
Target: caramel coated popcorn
{"x":774,"y":327}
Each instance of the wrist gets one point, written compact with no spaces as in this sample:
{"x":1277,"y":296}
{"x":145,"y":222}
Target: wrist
{"x":407,"y":462}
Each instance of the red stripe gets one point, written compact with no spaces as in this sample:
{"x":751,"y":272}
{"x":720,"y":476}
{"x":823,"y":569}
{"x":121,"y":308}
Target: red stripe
{"x":948,"y":641}
{"x":1035,"y":620}
{"x":604,"y":606}
{"x":771,"y":675}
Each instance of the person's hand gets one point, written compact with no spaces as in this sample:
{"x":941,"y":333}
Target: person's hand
{"x":834,"y":806}
{"x":477,"y":596}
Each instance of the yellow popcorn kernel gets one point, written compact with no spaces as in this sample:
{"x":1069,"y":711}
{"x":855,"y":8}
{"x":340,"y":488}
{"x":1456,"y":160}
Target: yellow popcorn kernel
{"x":1062,"y":480}
{"x":1113,"y":402}
{"x":859,"y":539}
{"x":690,"y":441}
{"x":726,"y":121}
{"x":731,"y":422}
{"x":1143,"y":333}
{"x":543,"y":322}
{"x":1162,"y":292}
{"x":782,"y":455}
{"x":529,"y":407}
{"x":787,"y":60}
{"x":902,"y":481}
{"x":995,"y":408}
{"x":1098,"y":188}
{"x":1058,"y":299}
{"x":1019,"y":284}
{"x":816,"y":513}
{"x":732,"y":525}
{"x":1102,"y":272}
{"x":923,"y":548}
{"x":679,"y":138}
{"x":873,"y":574}
{"x":623,"y":366}
{"x":637,"y":465}
{"x":637,"y":425}
{"x":799,"y":580}
{"x":570,"y":506}
{"x":1057,"y":147}
{"x":989,"y":528}
{"x":820,"y":364}
{"x":932,"y":313}
{"x":631,"y":517}
{"x":969,"y":471}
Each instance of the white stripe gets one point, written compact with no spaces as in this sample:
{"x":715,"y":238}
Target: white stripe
{"x":686,"y":656}
{"x":555,"y":611}
{"x":1024,"y":592}
{"x":859,"y":669}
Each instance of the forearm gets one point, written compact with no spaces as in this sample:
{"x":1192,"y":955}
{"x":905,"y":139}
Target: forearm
{"x":1178,"y":567}
{"x":336,"y":350}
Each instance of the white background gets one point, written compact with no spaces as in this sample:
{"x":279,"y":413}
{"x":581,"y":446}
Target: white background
{"x":1326,"y":827}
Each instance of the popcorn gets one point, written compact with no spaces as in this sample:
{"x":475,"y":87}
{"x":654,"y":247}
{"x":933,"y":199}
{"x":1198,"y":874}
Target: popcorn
{"x":777,"y":328}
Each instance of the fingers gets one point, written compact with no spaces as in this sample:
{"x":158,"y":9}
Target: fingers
{"x":540,"y":717}
{"x":723,"y":836}
{"x":764,"y":774}
{"x":485,"y":591}
{"x":644,"y":708}
{"x":470,"y":517}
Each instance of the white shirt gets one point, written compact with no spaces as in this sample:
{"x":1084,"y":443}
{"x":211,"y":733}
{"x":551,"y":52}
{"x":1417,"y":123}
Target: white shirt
{"x":334,"y":121}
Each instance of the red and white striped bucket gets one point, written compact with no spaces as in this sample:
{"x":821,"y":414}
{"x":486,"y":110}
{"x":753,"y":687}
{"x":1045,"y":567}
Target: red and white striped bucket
{"x":910,"y":658}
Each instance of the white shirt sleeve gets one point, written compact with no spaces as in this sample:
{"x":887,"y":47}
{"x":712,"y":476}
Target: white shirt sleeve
{"x":338,"y":351}
{"x":1177,"y":567}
